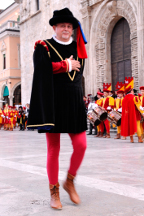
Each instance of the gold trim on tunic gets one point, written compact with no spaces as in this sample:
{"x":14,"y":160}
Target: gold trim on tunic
{"x":71,"y":78}
{"x":41,"y":125}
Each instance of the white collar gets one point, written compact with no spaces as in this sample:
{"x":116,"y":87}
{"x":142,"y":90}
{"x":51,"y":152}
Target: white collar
{"x":62,"y":42}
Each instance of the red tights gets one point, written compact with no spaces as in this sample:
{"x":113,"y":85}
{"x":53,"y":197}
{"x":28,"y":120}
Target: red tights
{"x":107,"y":125}
{"x":53,"y":147}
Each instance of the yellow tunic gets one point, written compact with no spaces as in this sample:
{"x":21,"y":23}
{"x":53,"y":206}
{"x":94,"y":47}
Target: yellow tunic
{"x":0,"y":116}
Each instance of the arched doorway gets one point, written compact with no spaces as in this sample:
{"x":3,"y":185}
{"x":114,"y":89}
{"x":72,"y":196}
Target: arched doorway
{"x":17,"y":96}
{"x":120,"y":52}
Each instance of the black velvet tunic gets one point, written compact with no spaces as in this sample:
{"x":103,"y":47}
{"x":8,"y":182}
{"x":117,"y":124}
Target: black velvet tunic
{"x":62,"y":96}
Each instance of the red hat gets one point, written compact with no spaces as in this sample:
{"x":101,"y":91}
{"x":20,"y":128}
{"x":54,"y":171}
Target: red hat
{"x":89,"y":94}
{"x":24,"y":108}
{"x":106,"y":90}
{"x":142,"y":88}
{"x":128,"y":89}
{"x":100,"y":93}
{"x":120,"y":92}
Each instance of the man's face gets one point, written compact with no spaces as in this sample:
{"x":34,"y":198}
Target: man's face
{"x":142,"y":92}
{"x":63,"y":31}
{"x":110,"y":93}
{"x":120,"y":95}
{"x":106,"y":94}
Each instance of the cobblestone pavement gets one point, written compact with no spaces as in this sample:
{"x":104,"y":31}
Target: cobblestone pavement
{"x":110,"y":181}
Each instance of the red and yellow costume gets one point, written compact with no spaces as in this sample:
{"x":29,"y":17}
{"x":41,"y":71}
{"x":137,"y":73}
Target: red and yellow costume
{"x":131,"y":116}
{"x":137,"y":103}
{"x":118,"y":105}
{"x":11,"y":117}
{"x":1,"y":118}
{"x":15,"y":112}
{"x":108,"y":105}
{"x":141,"y":97}
{"x":6,"y":120}
{"x":129,"y":121}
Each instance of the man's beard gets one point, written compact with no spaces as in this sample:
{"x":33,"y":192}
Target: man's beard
{"x":65,"y":36}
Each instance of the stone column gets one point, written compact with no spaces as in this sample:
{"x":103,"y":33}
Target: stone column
{"x":140,"y":14}
{"x":86,"y":24}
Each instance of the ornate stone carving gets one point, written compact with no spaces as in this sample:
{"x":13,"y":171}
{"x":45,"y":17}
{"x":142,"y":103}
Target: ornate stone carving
{"x":92,"y":2}
{"x":112,"y":6}
{"x":84,"y":3}
{"x":25,"y":9}
{"x":122,"y":9}
{"x":47,"y":2}
{"x":3,"y":46}
{"x":84,"y":10}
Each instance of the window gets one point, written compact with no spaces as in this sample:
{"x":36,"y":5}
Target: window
{"x":37,"y":4}
{"x":4,"y":61}
{"x":18,"y":19}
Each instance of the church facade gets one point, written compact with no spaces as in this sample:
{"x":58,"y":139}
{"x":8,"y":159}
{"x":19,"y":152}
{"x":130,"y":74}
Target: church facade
{"x":114,"y":30}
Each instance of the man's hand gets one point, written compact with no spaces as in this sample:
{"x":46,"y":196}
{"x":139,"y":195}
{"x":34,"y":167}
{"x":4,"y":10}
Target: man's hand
{"x":75,"y":64}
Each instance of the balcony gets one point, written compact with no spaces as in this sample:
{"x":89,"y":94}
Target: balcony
{"x":10,"y":25}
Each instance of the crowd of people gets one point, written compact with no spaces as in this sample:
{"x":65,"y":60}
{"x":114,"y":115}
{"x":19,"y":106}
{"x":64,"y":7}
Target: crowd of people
{"x":12,"y":117}
{"x":125,"y":101}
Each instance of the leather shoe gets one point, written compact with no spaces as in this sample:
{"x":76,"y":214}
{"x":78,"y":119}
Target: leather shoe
{"x":55,"y":199}
{"x":68,"y":185}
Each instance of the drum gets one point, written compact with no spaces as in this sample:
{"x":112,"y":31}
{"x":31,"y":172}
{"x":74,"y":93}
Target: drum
{"x":93,"y":118}
{"x":114,"y":117}
{"x":101,"y":113}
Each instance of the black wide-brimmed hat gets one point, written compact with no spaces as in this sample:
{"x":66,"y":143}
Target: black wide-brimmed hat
{"x":64,"y":15}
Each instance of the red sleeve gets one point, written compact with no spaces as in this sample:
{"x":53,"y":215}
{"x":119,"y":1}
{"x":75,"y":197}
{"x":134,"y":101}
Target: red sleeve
{"x":106,"y":104}
{"x":60,"y":67}
{"x":142,"y":101}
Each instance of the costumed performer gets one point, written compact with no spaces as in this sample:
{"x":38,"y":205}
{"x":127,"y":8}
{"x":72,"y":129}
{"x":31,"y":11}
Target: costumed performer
{"x":100,"y":127}
{"x":129,"y":115}
{"x":57,"y":94}
{"x":118,"y":107}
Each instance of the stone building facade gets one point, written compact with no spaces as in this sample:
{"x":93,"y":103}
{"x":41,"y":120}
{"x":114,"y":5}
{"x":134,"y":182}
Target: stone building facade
{"x":114,"y":30}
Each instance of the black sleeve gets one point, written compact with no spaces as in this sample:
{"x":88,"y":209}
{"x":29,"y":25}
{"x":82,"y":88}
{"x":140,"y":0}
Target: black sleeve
{"x":41,"y":112}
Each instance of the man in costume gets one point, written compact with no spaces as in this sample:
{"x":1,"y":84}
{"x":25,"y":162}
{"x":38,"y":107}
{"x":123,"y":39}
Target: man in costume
{"x":57,"y":94}
{"x":1,"y":118}
{"x":129,"y":123}
{"x":21,"y":118}
{"x":118,"y":107}
{"x":141,"y":97}
{"x":6,"y":118}
{"x":108,"y":105}
{"x":91,"y":105}
{"x":100,"y":127}
{"x":11,"y":117}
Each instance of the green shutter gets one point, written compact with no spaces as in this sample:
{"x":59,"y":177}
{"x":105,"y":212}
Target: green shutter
{"x":6,"y":91}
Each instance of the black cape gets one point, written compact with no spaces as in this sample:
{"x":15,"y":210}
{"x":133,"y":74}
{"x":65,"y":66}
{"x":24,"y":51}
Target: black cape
{"x":57,"y":104}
